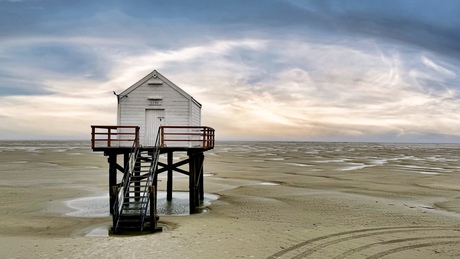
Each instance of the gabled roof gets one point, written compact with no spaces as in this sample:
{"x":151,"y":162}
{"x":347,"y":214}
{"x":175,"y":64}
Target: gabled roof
{"x":155,"y":75}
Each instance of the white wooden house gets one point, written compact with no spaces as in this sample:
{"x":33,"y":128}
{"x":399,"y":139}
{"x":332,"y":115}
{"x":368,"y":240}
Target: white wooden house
{"x":155,"y":101}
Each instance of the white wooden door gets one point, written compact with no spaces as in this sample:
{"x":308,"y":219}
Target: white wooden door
{"x":154,"y":118}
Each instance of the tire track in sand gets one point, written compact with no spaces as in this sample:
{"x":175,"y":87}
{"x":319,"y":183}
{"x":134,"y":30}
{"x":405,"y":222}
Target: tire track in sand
{"x":399,"y":249}
{"x":355,"y":239}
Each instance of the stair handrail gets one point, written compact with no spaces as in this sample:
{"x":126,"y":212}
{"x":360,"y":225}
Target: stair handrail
{"x":123,"y":189}
{"x":145,"y":200}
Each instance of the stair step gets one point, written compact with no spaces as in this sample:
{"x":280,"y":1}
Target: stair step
{"x":139,"y":173}
{"x":129,"y":228}
{"x":140,"y":184}
{"x":130,"y":223}
{"x":136,"y":198}
{"x":132,"y":210}
{"x":138,"y":181}
{"x":130,"y":218}
{"x":134,"y":205}
{"x":139,"y":177}
{"x":145,"y":159}
{"x":136,"y":211}
{"x":134,"y":202}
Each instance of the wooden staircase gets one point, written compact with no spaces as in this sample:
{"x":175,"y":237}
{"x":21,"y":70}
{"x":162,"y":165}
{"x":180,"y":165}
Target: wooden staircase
{"x":135,"y":205}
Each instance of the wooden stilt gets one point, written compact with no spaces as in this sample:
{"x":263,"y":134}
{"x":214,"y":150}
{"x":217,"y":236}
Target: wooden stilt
{"x":112,"y":179}
{"x":192,"y":167}
{"x":125,"y":159}
{"x":169,"y":188}
{"x":196,"y":180}
{"x":153,"y":210}
{"x":201,"y":178}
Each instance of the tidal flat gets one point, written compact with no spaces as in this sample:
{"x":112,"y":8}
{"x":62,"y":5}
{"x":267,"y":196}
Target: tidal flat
{"x":271,"y":200}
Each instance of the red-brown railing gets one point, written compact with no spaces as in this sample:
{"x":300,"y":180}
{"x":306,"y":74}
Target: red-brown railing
{"x":187,"y":136}
{"x":170,"y":136}
{"x":114,"y":135}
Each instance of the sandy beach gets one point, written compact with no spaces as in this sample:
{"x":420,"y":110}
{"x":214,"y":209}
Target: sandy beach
{"x":276,"y":200}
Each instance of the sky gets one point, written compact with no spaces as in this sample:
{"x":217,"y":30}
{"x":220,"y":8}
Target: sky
{"x":277,"y":70}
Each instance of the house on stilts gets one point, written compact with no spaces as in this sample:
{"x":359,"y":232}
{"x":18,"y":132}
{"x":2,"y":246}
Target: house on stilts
{"x":154,"y":117}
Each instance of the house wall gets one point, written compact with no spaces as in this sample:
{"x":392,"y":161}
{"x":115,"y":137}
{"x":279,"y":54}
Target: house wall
{"x":180,"y":109}
{"x":195,"y":118}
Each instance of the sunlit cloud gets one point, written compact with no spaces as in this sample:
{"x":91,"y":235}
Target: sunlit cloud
{"x":52,"y":117}
{"x":374,"y":97}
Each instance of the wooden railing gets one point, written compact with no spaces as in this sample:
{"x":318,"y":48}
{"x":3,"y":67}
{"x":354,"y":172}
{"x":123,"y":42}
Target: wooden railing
{"x":113,"y":136}
{"x":170,"y":136}
{"x":188,"y":136}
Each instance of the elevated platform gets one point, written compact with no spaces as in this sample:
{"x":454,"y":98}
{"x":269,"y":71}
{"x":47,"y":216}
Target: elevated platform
{"x":115,"y":141}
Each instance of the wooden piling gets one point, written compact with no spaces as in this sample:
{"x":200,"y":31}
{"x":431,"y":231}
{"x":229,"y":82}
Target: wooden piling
{"x":169,"y":187}
{"x":201,"y":179}
{"x":112,"y":159}
{"x":191,"y":183}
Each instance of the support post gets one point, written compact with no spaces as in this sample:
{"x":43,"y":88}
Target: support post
{"x":197,"y":179}
{"x":112,"y":179}
{"x":125,"y":160}
{"x":201,"y":178}
{"x":169,"y":188}
{"x":192,"y":182}
{"x":93,"y":136}
{"x":153,"y":208}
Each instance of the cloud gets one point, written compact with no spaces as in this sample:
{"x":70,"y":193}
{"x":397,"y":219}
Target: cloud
{"x":438,"y":68}
{"x":55,"y":116}
{"x":307,"y":91}
{"x":405,"y":22}
{"x":352,"y":91}
{"x":293,"y":70}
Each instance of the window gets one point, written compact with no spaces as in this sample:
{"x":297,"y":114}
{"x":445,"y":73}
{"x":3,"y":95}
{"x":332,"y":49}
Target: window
{"x":155,"y":100}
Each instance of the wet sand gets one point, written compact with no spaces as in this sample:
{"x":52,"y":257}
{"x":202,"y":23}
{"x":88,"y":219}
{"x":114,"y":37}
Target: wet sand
{"x":276,"y":200}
